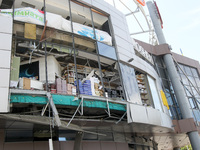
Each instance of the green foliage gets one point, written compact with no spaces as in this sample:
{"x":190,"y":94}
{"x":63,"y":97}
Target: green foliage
{"x":188,"y":147}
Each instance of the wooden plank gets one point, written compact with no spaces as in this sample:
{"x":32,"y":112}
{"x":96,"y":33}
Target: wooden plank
{"x":30,"y":31}
{"x":26,"y":83}
{"x":15,"y":68}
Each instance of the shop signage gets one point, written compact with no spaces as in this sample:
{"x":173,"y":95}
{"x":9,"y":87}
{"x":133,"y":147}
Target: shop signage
{"x":143,"y":53}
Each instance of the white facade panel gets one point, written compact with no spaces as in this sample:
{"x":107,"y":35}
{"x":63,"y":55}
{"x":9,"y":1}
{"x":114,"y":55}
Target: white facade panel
{"x":5,"y":54}
{"x":5,"y":77}
{"x":124,"y":52}
{"x":166,"y":120}
{"x":134,"y":110}
{"x":4,"y":99}
{"x":115,"y":12}
{"x":123,"y":57}
{"x":123,"y":43}
{"x":6,"y":25}
{"x":147,"y":115}
{"x":117,"y":21}
{"x":100,"y":5}
{"x":5,"y":41}
{"x":120,"y":32}
{"x":154,"y":116}
{"x":5,"y":59}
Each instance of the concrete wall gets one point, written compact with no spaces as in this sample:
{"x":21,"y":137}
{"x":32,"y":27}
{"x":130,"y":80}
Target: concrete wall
{"x":5,"y":57}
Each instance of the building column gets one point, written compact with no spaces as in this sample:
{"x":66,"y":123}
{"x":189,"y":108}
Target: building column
{"x":174,"y":77}
{"x":78,"y":140}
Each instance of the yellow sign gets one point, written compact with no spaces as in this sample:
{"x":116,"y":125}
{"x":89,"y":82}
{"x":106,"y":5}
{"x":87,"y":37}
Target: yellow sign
{"x":164,"y":99}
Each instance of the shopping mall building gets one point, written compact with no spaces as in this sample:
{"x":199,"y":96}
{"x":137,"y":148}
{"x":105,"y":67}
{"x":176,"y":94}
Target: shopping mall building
{"x":71,"y":73}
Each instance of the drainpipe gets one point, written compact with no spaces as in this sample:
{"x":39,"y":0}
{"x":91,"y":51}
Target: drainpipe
{"x":174,"y":77}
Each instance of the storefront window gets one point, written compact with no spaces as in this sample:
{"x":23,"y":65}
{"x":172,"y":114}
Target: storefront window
{"x":194,"y":72}
{"x":111,"y":78}
{"x":82,"y":21}
{"x":107,"y":51}
{"x":187,"y":70}
{"x":130,"y":84}
{"x":101,"y":25}
{"x":184,"y":79}
{"x":154,"y":93}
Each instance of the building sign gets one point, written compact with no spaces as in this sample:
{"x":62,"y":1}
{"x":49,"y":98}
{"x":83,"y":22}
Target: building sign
{"x":142,"y":2}
{"x":143,"y":53}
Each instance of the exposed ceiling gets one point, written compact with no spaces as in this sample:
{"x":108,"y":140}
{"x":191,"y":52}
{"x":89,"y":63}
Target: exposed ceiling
{"x":165,"y":137}
{"x":6,"y":4}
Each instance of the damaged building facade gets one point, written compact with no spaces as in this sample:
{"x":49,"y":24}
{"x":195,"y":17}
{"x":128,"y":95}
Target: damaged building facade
{"x":71,"y":74}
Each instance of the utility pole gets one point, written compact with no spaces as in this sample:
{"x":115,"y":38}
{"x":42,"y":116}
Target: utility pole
{"x":174,"y":77}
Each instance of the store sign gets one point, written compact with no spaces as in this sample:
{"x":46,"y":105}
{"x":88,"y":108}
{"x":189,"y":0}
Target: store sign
{"x":142,"y":2}
{"x":143,"y":53}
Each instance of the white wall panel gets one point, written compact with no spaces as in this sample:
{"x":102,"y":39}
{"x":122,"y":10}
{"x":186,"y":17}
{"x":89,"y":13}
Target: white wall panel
{"x":5,"y":41}
{"x":4,"y":99}
{"x":166,"y":120}
{"x":154,"y":116}
{"x":123,"y":43}
{"x":125,"y":52}
{"x":4,"y":77}
{"x":115,"y":12}
{"x":5,"y":59}
{"x":123,"y":57}
{"x":6,"y":25}
{"x":137,"y":109}
{"x":5,"y":56}
{"x":120,"y":32}
{"x":117,"y":21}
{"x":100,"y":5}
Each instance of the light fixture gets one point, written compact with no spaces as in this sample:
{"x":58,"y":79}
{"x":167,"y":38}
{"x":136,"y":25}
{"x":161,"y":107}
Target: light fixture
{"x":130,"y":60}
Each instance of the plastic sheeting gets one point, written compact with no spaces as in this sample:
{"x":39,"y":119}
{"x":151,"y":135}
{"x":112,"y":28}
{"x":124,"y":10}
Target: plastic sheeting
{"x":65,"y":100}
{"x":130,"y":84}
{"x":35,"y":16}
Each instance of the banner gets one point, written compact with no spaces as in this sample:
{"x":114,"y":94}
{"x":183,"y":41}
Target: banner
{"x":36,"y":16}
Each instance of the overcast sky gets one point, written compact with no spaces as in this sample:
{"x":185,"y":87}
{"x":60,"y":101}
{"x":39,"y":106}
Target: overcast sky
{"x":181,"y":25}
